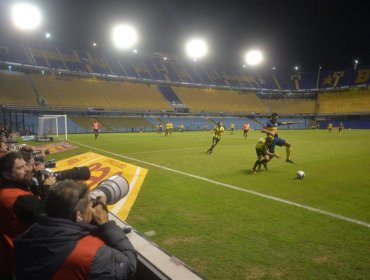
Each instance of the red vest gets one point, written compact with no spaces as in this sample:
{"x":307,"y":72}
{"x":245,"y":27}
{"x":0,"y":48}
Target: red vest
{"x":9,"y":222}
{"x":10,"y":227}
{"x":77,"y":264}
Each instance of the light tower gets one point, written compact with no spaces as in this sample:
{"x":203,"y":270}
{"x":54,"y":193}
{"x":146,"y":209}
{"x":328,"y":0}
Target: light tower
{"x":124,"y":36}
{"x":196,"y":48}
{"x":26,"y":16}
{"x":253,"y":57}
{"x":355,"y":63}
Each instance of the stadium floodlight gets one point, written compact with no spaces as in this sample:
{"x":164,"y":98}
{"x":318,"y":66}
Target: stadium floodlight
{"x":355,"y":64}
{"x":124,"y":36}
{"x":26,"y":16}
{"x":253,"y":57}
{"x":196,"y":48}
{"x":47,"y":35}
{"x":94,"y":44}
{"x":296,"y":68}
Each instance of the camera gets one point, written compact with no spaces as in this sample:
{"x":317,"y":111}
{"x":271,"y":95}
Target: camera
{"x":38,"y":156}
{"x":50,"y":163}
{"x":76,"y":173}
{"x":112,"y":189}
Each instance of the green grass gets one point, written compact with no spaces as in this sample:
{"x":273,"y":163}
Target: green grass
{"x":225,"y":233}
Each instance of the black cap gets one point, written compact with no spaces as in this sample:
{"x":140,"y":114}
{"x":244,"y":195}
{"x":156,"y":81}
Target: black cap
{"x":275,"y":114}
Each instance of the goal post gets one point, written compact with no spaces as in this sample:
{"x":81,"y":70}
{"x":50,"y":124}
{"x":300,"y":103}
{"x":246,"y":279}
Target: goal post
{"x":53,"y":125}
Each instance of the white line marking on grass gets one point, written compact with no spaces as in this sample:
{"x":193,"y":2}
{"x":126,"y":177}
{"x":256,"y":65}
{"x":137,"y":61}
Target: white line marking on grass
{"x":312,"y":209}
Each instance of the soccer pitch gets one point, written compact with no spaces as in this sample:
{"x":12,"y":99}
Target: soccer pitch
{"x":226,"y":223}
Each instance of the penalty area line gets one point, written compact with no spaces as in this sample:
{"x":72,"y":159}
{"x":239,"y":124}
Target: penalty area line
{"x":309,"y":208}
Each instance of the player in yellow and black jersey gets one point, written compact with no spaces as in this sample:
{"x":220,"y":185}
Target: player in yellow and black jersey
{"x":263,"y":153}
{"x":218,"y":131}
{"x":232,"y":128}
{"x":169,"y":128}
{"x":330,"y":127}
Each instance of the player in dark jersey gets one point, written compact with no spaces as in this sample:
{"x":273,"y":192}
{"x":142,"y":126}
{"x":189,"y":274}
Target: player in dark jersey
{"x":270,"y":128}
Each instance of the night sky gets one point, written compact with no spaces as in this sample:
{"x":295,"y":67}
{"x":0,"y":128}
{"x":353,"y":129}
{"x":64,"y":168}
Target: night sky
{"x":305,"y":33}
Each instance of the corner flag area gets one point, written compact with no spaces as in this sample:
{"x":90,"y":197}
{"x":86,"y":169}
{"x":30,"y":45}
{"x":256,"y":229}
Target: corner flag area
{"x":101,"y":168}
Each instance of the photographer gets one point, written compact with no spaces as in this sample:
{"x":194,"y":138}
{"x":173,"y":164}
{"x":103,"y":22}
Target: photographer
{"x":75,"y":240}
{"x":19,"y":207}
{"x":40,"y":183}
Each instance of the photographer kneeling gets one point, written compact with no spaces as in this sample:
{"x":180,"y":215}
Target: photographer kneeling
{"x":75,"y":240}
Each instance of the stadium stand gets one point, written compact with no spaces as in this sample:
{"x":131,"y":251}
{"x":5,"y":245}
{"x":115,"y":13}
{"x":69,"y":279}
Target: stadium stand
{"x":15,"y":89}
{"x":12,"y":51}
{"x":344,"y":102}
{"x":291,"y":106}
{"x":169,"y":94}
{"x":214,"y":100}
{"x":60,"y":91}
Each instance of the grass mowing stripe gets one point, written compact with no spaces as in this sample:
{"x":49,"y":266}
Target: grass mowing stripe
{"x":174,"y":150}
{"x":312,"y":209}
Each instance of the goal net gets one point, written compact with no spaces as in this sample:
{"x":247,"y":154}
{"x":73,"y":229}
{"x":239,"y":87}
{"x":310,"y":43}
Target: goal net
{"x":53,"y":125}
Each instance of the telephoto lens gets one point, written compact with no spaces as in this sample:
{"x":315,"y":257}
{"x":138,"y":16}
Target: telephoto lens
{"x":113,"y":189}
{"x":76,"y":173}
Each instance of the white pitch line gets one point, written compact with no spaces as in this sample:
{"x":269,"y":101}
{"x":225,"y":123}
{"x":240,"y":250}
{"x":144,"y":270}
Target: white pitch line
{"x":312,"y":209}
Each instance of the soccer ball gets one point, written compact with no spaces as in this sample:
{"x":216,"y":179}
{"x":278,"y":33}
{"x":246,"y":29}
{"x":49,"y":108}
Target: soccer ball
{"x":300,"y":174}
